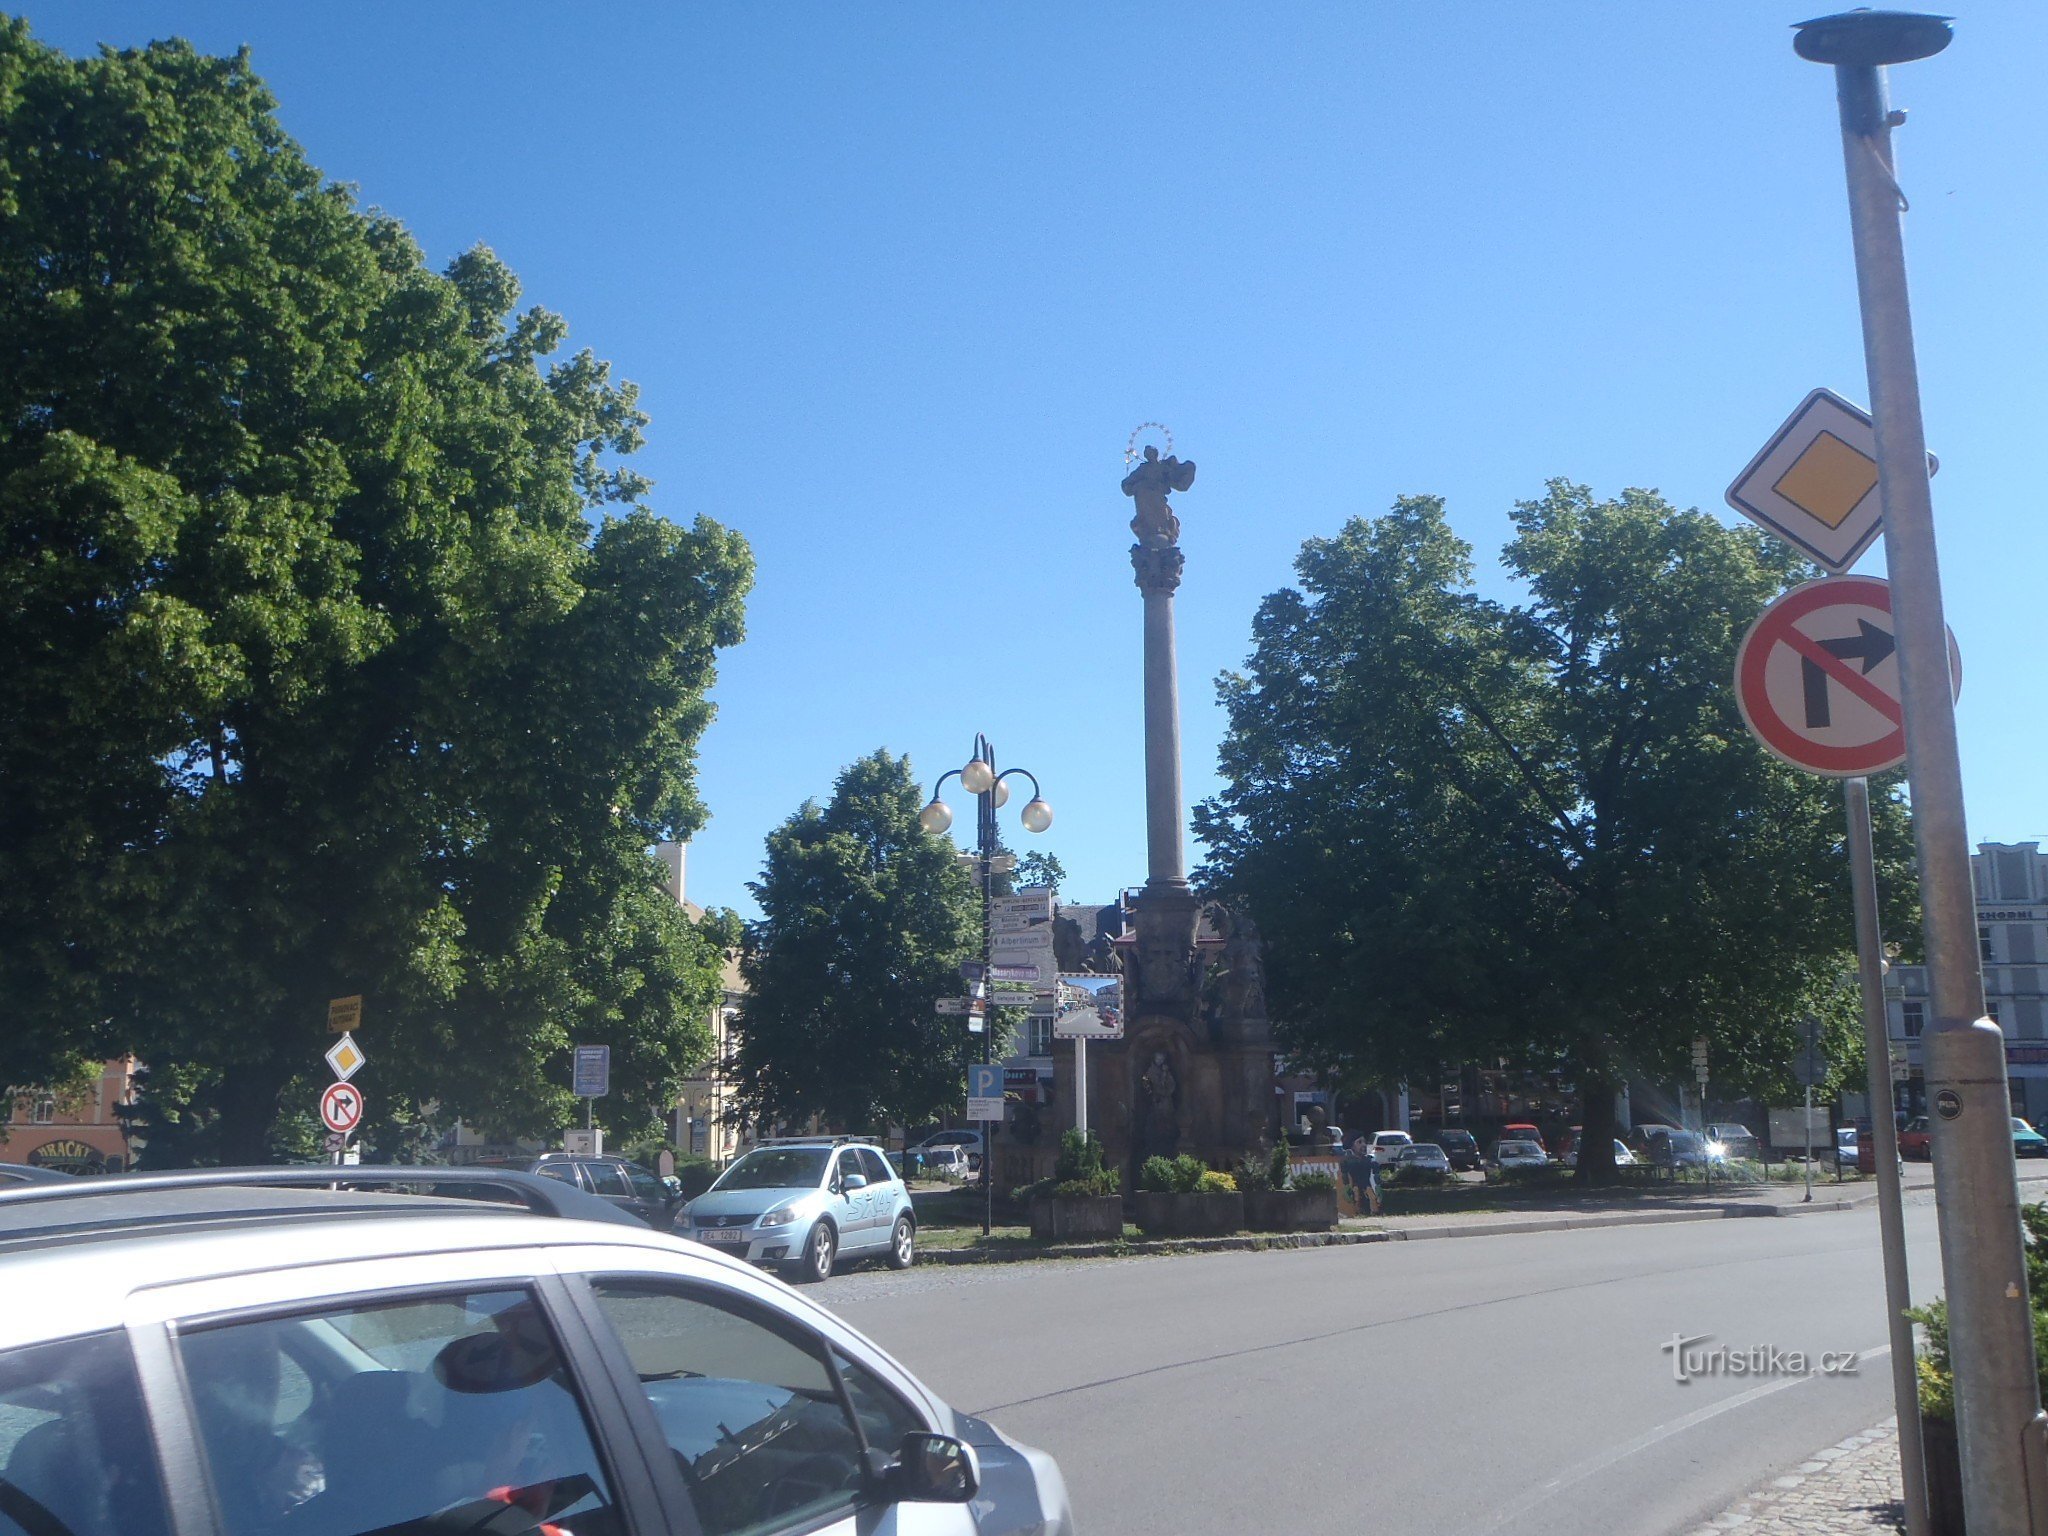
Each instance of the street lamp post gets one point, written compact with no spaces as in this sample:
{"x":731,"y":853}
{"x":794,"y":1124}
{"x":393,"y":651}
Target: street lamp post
{"x":991,"y":793}
{"x":2003,"y":1432}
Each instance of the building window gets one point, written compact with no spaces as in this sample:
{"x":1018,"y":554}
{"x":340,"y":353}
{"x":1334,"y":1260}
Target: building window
{"x":1984,"y":945}
{"x":45,"y":1111}
{"x":1914,"y":1019}
{"x":1038,"y":1037}
{"x":1991,"y":1011}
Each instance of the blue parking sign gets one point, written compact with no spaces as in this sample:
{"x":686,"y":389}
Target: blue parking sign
{"x":985,"y":1081}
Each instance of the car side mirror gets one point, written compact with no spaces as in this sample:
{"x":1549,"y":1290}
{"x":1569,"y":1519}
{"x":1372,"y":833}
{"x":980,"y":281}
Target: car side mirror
{"x":853,"y":1181}
{"x":927,"y":1469}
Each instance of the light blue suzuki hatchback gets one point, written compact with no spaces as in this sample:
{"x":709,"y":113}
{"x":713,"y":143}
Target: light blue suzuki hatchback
{"x":805,"y":1203}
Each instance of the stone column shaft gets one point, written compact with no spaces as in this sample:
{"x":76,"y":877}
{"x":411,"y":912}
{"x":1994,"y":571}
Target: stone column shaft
{"x":1158,"y":575}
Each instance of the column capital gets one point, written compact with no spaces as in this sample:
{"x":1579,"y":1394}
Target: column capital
{"x":1157,"y":567}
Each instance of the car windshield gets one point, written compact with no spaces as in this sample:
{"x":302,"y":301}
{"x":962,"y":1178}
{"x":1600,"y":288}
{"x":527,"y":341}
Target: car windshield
{"x":2021,"y":1126}
{"x":776,"y":1168}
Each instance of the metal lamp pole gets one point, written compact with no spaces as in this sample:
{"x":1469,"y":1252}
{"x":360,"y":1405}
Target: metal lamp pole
{"x":980,"y":779}
{"x":2004,"y":1436}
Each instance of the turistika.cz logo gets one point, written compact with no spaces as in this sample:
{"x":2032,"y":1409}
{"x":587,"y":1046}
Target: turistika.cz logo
{"x":1690,"y":1359}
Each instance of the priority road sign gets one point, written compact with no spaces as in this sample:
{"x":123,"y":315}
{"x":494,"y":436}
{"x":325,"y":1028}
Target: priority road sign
{"x":341,"y":1108}
{"x":1817,"y":678}
{"x":345,"y":1057}
{"x":1814,"y":484}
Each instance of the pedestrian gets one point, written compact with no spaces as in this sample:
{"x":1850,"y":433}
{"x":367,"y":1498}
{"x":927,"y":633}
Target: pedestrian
{"x":1362,"y":1172}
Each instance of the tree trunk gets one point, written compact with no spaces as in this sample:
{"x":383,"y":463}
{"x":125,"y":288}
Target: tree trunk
{"x":1596,"y":1119}
{"x":249,"y":1093}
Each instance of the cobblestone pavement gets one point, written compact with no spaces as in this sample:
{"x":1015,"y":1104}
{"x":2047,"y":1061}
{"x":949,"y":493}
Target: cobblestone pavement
{"x":1850,"y":1489}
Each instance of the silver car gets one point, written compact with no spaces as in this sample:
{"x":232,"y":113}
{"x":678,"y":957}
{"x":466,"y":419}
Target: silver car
{"x":803,"y":1205}
{"x":214,"y":1352}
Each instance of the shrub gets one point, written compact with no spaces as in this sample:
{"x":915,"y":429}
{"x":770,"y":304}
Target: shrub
{"x":1254,"y":1174}
{"x":1313,"y":1183}
{"x":1933,"y":1367}
{"x":1156,"y":1173}
{"x":1080,"y":1156}
{"x":1172,"y":1176}
{"x":1213,"y":1183}
{"x":1280,"y":1167}
{"x":1104,"y":1181}
{"x":1188,"y":1172}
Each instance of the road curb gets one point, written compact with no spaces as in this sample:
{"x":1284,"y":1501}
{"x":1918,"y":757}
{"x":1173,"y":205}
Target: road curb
{"x":1250,"y":1242}
{"x":1575,"y":1223}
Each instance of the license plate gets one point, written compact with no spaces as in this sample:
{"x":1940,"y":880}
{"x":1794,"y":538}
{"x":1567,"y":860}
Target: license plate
{"x":723,"y":1234}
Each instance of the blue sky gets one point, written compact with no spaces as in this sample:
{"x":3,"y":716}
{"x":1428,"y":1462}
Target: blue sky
{"x":898,"y":281}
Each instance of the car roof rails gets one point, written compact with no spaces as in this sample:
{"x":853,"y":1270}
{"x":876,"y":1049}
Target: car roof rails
{"x":819,"y":1140}
{"x":541,"y":1197}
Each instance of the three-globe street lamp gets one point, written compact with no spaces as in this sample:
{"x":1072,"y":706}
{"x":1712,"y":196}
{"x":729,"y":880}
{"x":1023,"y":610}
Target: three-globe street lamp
{"x":991,"y":791}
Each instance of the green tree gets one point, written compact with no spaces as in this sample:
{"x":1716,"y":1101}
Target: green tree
{"x":865,"y":920}
{"x":1538,"y":832}
{"x":339,"y":653}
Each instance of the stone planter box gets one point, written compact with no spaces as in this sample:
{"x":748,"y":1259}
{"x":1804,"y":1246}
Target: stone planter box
{"x":1189,"y":1215}
{"x":1084,"y":1218}
{"x":1290,"y":1210}
{"x":1944,"y":1477}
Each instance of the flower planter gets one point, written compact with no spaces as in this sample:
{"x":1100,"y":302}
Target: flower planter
{"x":1215,"y":1215}
{"x":1290,"y":1210}
{"x":1944,"y":1477}
{"x":1082,"y":1218}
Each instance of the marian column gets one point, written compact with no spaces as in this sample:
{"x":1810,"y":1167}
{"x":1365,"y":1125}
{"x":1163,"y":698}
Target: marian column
{"x":1166,"y":912}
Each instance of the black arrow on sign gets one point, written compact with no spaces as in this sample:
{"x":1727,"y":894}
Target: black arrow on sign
{"x":1870,"y":647}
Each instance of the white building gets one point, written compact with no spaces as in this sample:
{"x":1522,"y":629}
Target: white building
{"x":2012,"y":936}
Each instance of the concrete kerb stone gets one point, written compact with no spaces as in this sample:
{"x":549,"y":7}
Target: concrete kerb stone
{"x":1258,"y":1242}
{"x":1250,"y":1242}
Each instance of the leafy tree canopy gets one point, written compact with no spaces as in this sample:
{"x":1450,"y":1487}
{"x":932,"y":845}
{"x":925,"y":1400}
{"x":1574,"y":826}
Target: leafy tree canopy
{"x":1534,"y":832}
{"x":865,"y":920}
{"x":340,"y":654}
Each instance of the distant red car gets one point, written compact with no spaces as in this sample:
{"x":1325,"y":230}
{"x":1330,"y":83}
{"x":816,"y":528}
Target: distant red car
{"x":1917,"y":1140}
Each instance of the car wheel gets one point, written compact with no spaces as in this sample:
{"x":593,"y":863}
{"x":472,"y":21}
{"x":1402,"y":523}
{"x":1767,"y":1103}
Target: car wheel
{"x":821,"y":1247}
{"x":903,"y":1244}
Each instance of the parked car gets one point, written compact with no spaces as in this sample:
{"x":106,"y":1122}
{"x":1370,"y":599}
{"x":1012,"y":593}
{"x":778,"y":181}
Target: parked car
{"x":1388,"y":1145}
{"x":1675,"y":1149}
{"x":1520,"y":1154}
{"x":16,"y":1175}
{"x":1734,"y":1141}
{"x":1424,"y":1158}
{"x":2026,"y":1141}
{"x":805,"y":1204}
{"x":633,"y":1189}
{"x":1521,"y":1130}
{"x":1569,"y":1157}
{"x":940,"y":1163}
{"x":1639,"y":1136}
{"x":1917,"y":1139}
{"x":1460,"y":1147}
{"x":970,"y":1144}
{"x":429,"y":1364}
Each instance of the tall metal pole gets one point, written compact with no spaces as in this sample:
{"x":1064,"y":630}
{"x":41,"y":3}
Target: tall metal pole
{"x":1809,"y":1143}
{"x":1081,"y":1085}
{"x":1991,"y":1345}
{"x":985,"y":846}
{"x":1891,"y":1219}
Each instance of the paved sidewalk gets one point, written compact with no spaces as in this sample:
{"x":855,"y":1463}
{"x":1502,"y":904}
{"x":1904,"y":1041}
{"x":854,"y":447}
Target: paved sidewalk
{"x":1850,"y":1489}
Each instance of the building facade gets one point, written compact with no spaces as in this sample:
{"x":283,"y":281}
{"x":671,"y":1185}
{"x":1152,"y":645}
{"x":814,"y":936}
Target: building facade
{"x":703,"y":1121}
{"x":2012,"y":937}
{"x":78,"y":1132}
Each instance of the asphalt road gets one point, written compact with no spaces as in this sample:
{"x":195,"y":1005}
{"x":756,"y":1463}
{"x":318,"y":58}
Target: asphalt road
{"x":1508,"y":1383}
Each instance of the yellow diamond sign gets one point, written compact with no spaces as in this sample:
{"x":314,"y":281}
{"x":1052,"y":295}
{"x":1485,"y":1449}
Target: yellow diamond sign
{"x":345,"y":1057}
{"x":1815,"y":483}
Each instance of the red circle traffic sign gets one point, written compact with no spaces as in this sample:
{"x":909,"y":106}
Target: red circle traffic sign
{"x":1817,"y":677}
{"x":341,"y":1108}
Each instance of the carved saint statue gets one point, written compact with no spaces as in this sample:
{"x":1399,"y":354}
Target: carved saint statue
{"x":1244,"y":983}
{"x":1148,"y":485}
{"x":1159,"y":1108}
